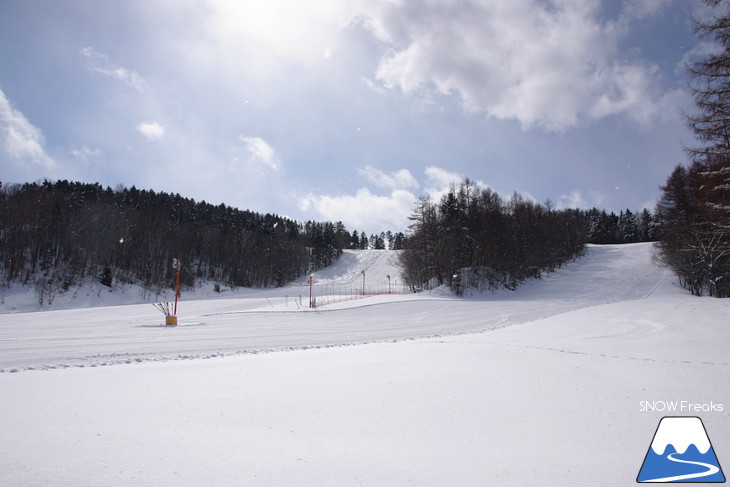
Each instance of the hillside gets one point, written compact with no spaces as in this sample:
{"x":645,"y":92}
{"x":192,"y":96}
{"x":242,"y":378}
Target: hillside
{"x":542,"y":385}
{"x":56,"y":236}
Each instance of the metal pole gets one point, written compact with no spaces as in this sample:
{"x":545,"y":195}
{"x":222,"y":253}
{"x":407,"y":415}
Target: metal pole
{"x":177,"y":288}
{"x":363,"y":283}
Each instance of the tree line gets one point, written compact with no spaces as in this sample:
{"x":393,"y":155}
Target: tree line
{"x":626,"y":227}
{"x":694,"y":209}
{"x":381,"y":241}
{"x":695,"y":230}
{"x":55,"y":234}
{"x":473,"y":238}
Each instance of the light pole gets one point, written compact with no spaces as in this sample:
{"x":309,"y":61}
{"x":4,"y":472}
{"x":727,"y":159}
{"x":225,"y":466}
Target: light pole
{"x":388,"y":276}
{"x":363,"y":282}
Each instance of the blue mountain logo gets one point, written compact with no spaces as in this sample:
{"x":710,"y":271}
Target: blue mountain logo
{"x":681,"y":452}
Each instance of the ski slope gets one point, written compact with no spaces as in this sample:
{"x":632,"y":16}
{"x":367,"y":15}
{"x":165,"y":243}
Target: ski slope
{"x":348,"y":271}
{"x":541,"y":386}
{"x":277,"y":319}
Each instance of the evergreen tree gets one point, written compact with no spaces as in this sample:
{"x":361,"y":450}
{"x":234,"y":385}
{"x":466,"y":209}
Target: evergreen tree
{"x":399,"y":241}
{"x":363,"y":241}
{"x":628,"y":227}
{"x":647,"y":226}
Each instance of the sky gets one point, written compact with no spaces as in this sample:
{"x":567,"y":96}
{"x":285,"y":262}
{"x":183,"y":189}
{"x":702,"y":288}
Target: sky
{"x":349,"y":110}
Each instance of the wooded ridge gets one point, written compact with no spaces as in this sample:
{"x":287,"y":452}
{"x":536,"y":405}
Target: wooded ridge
{"x":57,"y":233}
{"x":54,"y":235}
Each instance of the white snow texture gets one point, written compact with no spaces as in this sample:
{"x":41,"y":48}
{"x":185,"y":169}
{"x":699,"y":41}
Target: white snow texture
{"x":540,"y":386}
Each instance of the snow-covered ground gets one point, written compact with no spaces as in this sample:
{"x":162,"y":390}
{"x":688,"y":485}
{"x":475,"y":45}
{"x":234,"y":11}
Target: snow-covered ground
{"x":340,"y":281}
{"x":543,"y":386}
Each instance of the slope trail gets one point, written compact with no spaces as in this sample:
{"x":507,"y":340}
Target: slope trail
{"x":376,"y":265}
{"x":105,"y":336}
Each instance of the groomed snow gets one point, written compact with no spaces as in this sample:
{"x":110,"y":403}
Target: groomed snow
{"x":536,"y":387}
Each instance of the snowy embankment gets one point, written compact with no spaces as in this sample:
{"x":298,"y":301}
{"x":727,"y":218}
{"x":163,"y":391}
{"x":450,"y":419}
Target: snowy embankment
{"x":536,"y":387}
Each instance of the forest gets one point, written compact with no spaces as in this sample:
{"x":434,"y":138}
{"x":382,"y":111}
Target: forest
{"x":474,"y":238}
{"x":55,"y":234}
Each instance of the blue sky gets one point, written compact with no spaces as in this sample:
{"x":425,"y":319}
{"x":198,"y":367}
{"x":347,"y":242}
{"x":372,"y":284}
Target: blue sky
{"x":349,"y":110}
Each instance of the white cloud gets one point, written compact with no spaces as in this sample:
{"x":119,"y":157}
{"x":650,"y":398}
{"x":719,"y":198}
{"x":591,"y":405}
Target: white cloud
{"x":364,"y":210}
{"x":370,"y":212}
{"x":152,"y":130}
{"x":440,"y":178}
{"x":21,"y":140}
{"x":85,"y":152}
{"x":400,"y":179}
{"x":261,"y":152}
{"x":100,"y":63}
{"x":439,"y":181}
{"x":548,"y":64}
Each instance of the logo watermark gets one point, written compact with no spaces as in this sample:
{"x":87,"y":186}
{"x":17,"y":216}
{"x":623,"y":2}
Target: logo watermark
{"x":682,"y":407}
{"x":680,"y":451}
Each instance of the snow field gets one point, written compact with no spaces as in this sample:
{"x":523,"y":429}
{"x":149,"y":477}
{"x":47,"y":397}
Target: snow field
{"x":547,"y":393}
{"x":343,"y":279}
